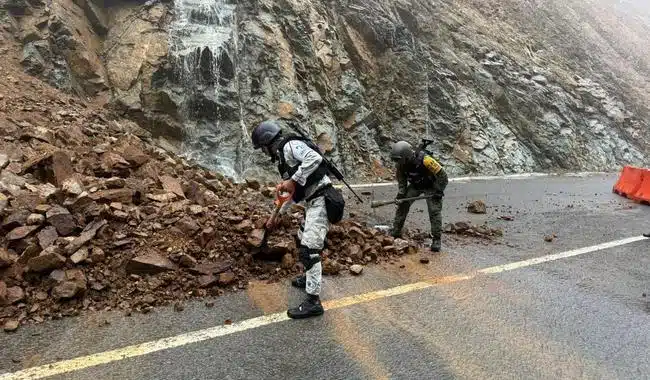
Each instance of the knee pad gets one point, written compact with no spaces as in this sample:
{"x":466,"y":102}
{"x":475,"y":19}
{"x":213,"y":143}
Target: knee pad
{"x":309,"y":257}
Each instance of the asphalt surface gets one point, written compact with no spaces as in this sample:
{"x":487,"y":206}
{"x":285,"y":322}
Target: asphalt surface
{"x":583,"y":317}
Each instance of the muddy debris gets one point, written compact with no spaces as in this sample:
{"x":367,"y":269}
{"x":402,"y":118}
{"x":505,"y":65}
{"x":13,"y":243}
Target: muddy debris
{"x":93,"y":217}
{"x":469,"y":229}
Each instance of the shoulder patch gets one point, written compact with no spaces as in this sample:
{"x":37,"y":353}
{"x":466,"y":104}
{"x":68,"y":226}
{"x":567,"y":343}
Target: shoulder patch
{"x":431,"y":164}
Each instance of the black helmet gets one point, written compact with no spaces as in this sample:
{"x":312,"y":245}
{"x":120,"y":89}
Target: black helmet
{"x":264,"y":134}
{"x":401,"y":150}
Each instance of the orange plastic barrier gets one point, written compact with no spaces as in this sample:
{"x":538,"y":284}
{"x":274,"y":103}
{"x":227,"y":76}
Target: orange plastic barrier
{"x":642,"y":194}
{"x":630,"y":181}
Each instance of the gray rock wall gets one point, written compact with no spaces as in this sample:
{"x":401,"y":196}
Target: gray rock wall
{"x":500,"y":87}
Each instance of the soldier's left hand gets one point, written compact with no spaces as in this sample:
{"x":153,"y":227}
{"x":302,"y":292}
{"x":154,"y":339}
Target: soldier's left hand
{"x":289,"y":186}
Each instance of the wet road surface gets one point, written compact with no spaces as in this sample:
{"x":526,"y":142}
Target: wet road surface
{"x":578,"y":317}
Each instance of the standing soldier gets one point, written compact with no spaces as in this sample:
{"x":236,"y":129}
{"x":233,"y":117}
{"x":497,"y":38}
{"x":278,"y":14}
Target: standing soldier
{"x":417,"y":173}
{"x":305,"y":176}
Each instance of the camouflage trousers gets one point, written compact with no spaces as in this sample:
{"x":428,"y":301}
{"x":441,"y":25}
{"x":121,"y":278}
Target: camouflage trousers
{"x":312,"y":234}
{"x":434,"y":206}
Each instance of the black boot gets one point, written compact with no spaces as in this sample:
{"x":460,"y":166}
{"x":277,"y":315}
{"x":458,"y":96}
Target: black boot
{"x":300,"y":282}
{"x":311,"y":307}
{"x":647,"y":235}
{"x":435,"y":245}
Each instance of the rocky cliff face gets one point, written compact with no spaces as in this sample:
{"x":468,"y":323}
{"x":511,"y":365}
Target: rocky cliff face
{"x":500,"y":86}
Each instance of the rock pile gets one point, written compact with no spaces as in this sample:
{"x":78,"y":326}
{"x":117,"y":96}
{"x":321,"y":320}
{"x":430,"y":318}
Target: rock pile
{"x":469,"y":229}
{"x":95,"y":217}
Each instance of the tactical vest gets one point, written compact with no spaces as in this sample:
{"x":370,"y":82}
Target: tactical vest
{"x":286,"y":171}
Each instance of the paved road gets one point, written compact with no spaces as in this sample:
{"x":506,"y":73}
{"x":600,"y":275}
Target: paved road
{"x":578,"y":317}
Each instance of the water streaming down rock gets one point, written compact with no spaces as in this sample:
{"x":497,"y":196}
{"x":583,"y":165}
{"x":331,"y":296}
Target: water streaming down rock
{"x":202,"y":47}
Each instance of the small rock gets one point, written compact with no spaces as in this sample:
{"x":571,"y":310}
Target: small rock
{"x":206,"y":236}
{"x":134,"y":155}
{"x":507,"y":218}
{"x":288,"y":261}
{"x":207,"y":280}
{"x":3,"y":292}
{"x":20,"y":232}
{"x":113,"y":161}
{"x":178,"y":307}
{"x":86,"y":235}
{"x":114,"y":195}
{"x":280,"y":247}
{"x":121,"y":216}
{"x":47,"y":236}
{"x":48,"y":260}
{"x":35,"y":219}
{"x":549,"y":238}
{"x":40,"y":296}
{"x":355,"y":252}
{"x":244,"y":226}
{"x":66,"y":290}
{"x":234,"y":219}
{"x":268,"y":192}
{"x":255,"y":238}
{"x":4,"y":202}
{"x":172,"y":185}
{"x":7,"y":258}
{"x":57,"y":275}
{"x":188,"y":226}
{"x":15,"y":219}
{"x":4,"y":159}
{"x":150,"y":264}
{"x":62,"y":220}
{"x":253,"y":184}
{"x":14,"y":295}
{"x":424,"y":260}
{"x":162,"y":198}
{"x":97,"y":255}
{"x":116,"y":206}
{"x":196,"y":209}
{"x":356,"y":269}
{"x":114,"y":183}
{"x":477,"y":207}
{"x":400,"y":244}
{"x":226,"y":278}
{"x":210,"y":268}
{"x":80,"y":256}
{"x":72,"y":186}
{"x":331,"y":267}
{"x":209,"y":304}
{"x":187,"y":261}
{"x":42,"y":208}
{"x":11,"y":325}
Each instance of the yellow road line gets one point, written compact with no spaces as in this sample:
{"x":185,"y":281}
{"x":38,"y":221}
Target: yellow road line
{"x":106,"y":357}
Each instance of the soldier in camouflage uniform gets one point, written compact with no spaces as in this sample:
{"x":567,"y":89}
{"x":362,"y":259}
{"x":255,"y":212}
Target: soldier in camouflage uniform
{"x":305,"y":176}
{"x":418,"y":173}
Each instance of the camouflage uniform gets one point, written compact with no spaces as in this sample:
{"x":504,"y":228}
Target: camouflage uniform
{"x":421,"y":175}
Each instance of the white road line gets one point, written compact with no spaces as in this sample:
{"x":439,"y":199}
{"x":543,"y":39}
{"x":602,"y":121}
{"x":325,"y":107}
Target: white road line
{"x":106,"y":357}
{"x":484,"y":178}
